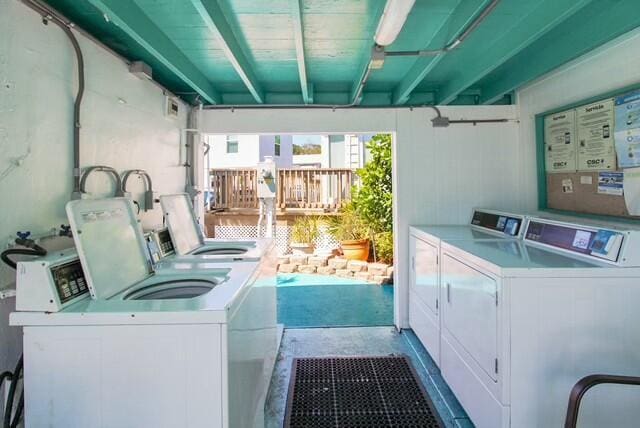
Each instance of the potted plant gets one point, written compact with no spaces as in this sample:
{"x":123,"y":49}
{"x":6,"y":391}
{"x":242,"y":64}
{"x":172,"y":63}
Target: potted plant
{"x":304,"y":231}
{"x":352,"y":232}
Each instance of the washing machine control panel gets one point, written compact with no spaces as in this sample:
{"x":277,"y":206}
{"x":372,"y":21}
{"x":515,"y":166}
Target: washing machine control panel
{"x":159,"y":244}
{"x":602,"y":244}
{"x":50,"y":283}
{"x":69,"y":281}
{"x":507,"y":224}
{"x":165,"y":243}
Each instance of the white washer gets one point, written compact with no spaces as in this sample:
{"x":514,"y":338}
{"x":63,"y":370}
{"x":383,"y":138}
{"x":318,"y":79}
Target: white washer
{"x":186,"y":347}
{"x":523,"y":322}
{"x":183,"y":239}
{"x":425,"y":287}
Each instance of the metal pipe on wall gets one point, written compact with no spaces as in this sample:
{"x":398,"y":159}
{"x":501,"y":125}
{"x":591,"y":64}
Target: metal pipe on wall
{"x":66,"y":27}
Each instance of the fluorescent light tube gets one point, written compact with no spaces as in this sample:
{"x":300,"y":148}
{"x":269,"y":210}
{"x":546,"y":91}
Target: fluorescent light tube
{"x":393,"y":19}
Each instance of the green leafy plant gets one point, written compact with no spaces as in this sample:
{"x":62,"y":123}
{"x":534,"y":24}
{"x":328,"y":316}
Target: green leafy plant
{"x":305,"y":229}
{"x":383,"y":243}
{"x":373,"y":200}
{"x":348,"y":226}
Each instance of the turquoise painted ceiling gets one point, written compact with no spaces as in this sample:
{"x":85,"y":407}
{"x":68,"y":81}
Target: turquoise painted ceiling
{"x":237,"y":52}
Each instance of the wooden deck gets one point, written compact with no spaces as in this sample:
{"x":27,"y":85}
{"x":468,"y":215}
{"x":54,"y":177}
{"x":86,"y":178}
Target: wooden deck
{"x":325,"y":189}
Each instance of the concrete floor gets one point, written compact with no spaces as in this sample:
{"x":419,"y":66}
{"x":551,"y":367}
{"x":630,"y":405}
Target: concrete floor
{"x":359,"y":341}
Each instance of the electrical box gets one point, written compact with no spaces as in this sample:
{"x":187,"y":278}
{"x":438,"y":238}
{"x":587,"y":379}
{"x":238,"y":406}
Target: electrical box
{"x":172,"y":107}
{"x":267,"y":178}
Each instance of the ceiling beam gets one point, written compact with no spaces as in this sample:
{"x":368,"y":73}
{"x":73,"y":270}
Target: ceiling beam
{"x":137,"y":25}
{"x":563,"y":44}
{"x":296,"y":15}
{"x":547,"y":15}
{"x":378,"y":99}
{"x":462,"y":16}
{"x":211,"y":13}
{"x":355,"y":96}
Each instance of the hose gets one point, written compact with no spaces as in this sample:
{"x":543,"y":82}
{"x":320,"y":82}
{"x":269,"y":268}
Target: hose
{"x":87,"y":172}
{"x":32,"y":249}
{"x":148,"y":194}
{"x":35,"y":251}
{"x":7,"y":421}
{"x":5,"y":375}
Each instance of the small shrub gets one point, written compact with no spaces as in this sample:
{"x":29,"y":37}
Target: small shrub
{"x":373,"y":200}
{"x":383,"y":243}
{"x":305,"y":229}
{"x":348,"y":225}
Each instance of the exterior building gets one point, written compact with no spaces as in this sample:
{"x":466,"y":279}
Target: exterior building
{"x":337,"y":151}
{"x":245,"y":151}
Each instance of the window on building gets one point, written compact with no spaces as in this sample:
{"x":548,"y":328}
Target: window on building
{"x":232,"y":144}
{"x":276,"y":149}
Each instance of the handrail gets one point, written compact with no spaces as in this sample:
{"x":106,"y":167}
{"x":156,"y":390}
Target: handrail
{"x":299,"y":188}
{"x":586,"y":383}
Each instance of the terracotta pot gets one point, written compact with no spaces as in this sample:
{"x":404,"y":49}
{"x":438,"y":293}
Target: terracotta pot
{"x":355,"y":249}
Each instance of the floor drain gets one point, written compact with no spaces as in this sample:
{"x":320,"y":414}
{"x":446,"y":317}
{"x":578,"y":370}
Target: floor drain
{"x":354,"y":392}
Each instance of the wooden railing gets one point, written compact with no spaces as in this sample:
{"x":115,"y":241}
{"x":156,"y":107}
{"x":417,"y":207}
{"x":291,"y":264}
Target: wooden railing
{"x":323,"y":188}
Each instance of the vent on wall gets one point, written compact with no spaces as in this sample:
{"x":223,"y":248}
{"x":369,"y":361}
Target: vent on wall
{"x":172,"y":108}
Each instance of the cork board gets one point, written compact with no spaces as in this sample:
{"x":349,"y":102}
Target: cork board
{"x":584,"y":198}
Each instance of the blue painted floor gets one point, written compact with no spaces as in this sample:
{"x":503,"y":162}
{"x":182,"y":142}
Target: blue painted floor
{"x":328,"y":301}
{"x":359,"y":341}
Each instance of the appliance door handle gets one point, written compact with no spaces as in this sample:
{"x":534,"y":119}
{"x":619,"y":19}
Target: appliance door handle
{"x":448,"y":292}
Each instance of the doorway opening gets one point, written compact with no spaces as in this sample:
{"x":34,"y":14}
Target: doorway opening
{"x":334,"y":221}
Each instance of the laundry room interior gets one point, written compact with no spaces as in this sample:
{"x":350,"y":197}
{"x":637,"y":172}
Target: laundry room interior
{"x":183,"y":182}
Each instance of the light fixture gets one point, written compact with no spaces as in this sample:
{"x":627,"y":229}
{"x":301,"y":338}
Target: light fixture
{"x":377,"y":57}
{"x":393,"y":18}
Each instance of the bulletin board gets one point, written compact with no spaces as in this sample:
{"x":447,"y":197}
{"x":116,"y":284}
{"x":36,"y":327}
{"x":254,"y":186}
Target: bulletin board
{"x":588,"y":155}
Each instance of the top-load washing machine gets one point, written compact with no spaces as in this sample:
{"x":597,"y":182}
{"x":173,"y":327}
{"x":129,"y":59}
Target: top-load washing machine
{"x":179,"y":347}
{"x":182,"y":240}
{"x":425,"y":287}
{"x":520,"y":328}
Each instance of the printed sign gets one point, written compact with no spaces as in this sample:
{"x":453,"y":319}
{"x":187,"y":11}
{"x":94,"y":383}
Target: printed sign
{"x":559,"y":141}
{"x":567,"y":185}
{"x":596,"y":148}
{"x":610,"y":183}
{"x":627,"y":131}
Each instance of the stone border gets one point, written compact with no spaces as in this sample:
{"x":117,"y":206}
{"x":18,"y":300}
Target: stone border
{"x":375,"y":273}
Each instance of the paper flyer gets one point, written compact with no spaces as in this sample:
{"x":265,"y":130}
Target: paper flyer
{"x":610,"y":183}
{"x":596,"y":148}
{"x":632,"y":190}
{"x":627,"y":130}
{"x":559,"y":141}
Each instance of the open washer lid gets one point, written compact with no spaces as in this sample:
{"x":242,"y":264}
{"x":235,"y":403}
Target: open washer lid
{"x":110,"y":243}
{"x":181,"y":221}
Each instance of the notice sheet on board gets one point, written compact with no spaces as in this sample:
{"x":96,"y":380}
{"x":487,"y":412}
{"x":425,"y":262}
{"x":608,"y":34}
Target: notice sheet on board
{"x":596,"y":148}
{"x":627,"y":133}
{"x":559,"y":141}
{"x":611,"y":183}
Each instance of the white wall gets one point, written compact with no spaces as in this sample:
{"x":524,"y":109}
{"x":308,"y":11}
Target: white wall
{"x":609,"y":68}
{"x":309,"y":160}
{"x":248,"y":152}
{"x":439,"y":174}
{"x":251,"y":150}
{"x":38,"y":75}
{"x":267,"y":148}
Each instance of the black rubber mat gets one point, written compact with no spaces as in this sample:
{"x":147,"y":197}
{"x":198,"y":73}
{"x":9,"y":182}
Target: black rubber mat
{"x":357,"y":392}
